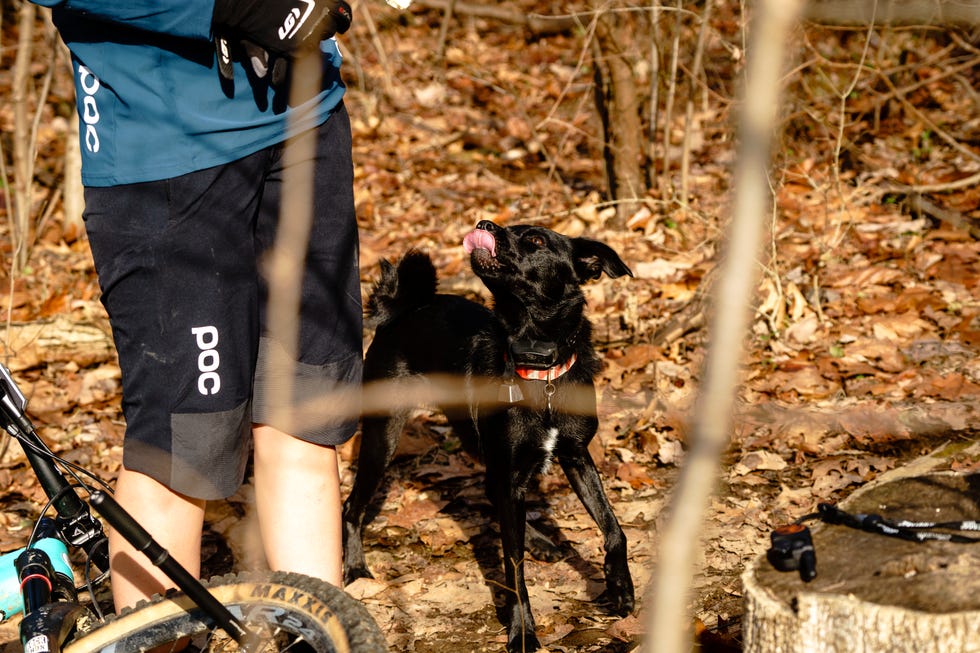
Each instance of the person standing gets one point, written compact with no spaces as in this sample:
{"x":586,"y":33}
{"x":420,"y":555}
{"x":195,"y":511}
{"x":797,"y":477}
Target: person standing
{"x":186,"y":126}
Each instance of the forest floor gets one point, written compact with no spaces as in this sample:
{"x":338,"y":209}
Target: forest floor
{"x":863,"y":353}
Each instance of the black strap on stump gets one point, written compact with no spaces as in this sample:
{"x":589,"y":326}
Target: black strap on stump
{"x":791,"y":546}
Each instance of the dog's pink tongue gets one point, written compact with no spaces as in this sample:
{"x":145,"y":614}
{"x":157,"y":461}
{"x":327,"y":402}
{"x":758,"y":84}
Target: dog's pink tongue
{"x":480,"y":239}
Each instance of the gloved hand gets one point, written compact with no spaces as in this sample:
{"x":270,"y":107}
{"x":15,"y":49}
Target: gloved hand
{"x":273,"y":30}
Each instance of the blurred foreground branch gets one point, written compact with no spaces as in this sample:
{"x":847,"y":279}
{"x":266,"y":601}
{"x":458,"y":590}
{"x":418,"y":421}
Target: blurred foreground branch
{"x":731,"y":303}
{"x":288,"y":257}
{"x":445,"y":391}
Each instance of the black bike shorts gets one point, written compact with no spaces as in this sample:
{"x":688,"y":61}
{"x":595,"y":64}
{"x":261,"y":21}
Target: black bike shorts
{"x":180,"y":264}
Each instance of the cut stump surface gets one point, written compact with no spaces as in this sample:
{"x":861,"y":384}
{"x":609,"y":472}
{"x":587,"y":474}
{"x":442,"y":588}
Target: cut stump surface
{"x":875,"y":593}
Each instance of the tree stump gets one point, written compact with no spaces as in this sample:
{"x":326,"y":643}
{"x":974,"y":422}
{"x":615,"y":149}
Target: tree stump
{"x":874,"y":593}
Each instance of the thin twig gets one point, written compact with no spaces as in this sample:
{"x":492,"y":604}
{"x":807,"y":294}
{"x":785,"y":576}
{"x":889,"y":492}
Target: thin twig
{"x":773,"y":268}
{"x":535,"y":22}
{"x":444,"y":29}
{"x":654,"y":86}
{"x":947,"y":70}
{"x":587,"y":42}
{"x":689,"y":109}
{"x":42,"y":98}
{"x":930,"y":124}
{"x":838,"y":144}
{"x":12,"y":273}
{"x":378,"y":47}
{"x":959,"y":184}
{"x":669,"y":102}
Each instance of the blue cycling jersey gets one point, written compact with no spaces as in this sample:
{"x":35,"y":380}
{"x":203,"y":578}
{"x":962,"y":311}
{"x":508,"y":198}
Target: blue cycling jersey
{"x":150,"y":102}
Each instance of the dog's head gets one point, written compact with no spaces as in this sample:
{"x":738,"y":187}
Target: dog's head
{"x":537,"y":264}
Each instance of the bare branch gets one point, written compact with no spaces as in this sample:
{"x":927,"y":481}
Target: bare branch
{"x":893,"y":12}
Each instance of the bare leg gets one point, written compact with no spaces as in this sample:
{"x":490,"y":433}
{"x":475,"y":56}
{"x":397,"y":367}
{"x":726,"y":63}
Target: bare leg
{"x":297,"y":496}
{"x":174,"y":520}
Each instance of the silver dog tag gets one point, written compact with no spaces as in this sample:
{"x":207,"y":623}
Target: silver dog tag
{"x":509,"y":393}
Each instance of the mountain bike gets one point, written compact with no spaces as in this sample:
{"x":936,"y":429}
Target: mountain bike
{"x":265,"y":612}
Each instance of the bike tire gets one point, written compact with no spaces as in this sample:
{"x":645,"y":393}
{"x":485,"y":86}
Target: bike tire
{"x":297,"y":612}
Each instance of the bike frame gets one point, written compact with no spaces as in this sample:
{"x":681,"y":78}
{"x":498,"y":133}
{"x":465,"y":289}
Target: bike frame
{"x":48,"y":610}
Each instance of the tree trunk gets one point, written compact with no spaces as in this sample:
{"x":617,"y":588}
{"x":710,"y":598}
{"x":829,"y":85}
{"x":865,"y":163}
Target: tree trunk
{"x":74,"y":195}
{"x":875,"y":593}
{"x":22,"y":160}
{"x":619,"y":105}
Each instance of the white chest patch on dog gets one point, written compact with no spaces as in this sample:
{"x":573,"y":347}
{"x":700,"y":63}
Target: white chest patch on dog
{"x":548,"y":445}
{"x":550,"y":440}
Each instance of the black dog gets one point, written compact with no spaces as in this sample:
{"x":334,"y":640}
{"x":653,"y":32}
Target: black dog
{"x":534,"y":352}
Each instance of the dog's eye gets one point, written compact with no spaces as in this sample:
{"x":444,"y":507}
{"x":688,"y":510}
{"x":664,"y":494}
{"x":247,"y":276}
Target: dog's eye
{"x":536,"y":241}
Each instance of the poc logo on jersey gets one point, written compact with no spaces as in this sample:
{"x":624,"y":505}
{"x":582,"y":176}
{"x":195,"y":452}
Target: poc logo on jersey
{"x":209,"y":382}
{"x":294,"y":20}
{"x":89,"y":85}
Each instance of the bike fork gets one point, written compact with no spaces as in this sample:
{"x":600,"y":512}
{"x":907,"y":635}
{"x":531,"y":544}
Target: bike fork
{"x":50,"y":609}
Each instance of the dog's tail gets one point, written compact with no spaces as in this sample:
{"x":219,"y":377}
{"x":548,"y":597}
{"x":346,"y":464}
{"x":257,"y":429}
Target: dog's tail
{"x":411,"y":285}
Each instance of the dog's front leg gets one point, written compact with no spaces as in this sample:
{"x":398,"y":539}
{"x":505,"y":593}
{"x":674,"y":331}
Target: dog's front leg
{"x":379,"y":439}
{"x":512,"y":514}
{"x":584,"y":478}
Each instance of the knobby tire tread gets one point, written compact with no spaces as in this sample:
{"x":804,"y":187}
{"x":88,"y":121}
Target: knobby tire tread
{"x":341,"y":623}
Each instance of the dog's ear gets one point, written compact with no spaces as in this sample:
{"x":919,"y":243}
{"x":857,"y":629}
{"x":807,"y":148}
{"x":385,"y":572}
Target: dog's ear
{"x":592,"y":258}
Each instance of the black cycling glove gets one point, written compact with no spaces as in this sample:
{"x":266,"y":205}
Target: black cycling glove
{"x":271,"y":30}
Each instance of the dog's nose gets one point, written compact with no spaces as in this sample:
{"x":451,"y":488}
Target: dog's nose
{"x":486,"y":225}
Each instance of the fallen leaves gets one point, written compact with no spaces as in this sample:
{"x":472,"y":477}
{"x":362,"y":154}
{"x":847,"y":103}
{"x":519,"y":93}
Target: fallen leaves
{"x":864,"y":351}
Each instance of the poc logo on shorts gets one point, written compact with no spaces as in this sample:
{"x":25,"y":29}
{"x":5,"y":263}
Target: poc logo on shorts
{"x":209,"y":382}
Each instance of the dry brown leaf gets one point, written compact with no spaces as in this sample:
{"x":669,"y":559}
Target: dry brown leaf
{"x":805,"y":331}
{"x":949,"y":386}
{"x":415,"y":508}
{"x":627,"y":628}
{"x":882,"y":354}
{"x":634,"y":474}
{"x":871,"y":425}
{"x":638,"y":356}
{"x":365,"y":588}
{"x":872,"y":275}
{"x":758,"y":461}
{"x":442,"y":534}
{"x":826,"y":485}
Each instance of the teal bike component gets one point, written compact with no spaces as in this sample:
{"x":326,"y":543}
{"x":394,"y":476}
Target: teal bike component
{"x":11,"y":600}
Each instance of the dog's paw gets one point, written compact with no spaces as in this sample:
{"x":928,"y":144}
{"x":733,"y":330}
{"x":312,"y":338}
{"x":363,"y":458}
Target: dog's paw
{"x":618,"y":597}
{"x":353,"y":573}
{"x":541,"y":547}
{"x":524,"y":643}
